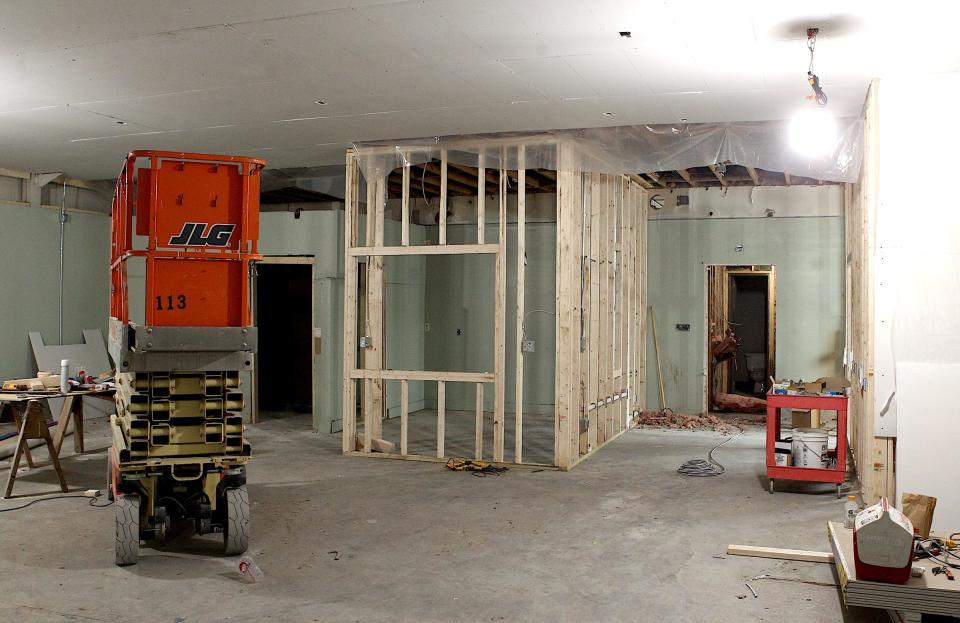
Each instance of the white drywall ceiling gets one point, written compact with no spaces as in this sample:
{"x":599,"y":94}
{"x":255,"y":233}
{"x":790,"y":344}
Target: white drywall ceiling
{"x":242,"y":76}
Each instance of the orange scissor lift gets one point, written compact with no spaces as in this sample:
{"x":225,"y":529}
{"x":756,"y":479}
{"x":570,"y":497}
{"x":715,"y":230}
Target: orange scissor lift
{"x":178,"y":447}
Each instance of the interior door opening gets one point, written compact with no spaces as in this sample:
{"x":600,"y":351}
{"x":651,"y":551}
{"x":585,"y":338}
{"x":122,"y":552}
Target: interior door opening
{"x":741,"y":340}
{"x":283,"y":314}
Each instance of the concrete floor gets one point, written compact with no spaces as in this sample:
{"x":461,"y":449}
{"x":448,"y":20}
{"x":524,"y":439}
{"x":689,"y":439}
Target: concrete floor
{"x":621,"y":538}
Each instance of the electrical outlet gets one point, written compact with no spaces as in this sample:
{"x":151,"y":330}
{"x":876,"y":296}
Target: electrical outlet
{"x":529,"y":346}
{"x":426,"y":327}
{"x":738,"y":248}
{"x":365,"y":341}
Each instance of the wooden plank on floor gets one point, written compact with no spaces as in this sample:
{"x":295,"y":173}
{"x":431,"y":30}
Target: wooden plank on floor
{"x":779,"y":553}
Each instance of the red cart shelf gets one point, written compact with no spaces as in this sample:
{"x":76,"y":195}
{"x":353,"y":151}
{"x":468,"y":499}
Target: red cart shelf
{"x":776,"y":402}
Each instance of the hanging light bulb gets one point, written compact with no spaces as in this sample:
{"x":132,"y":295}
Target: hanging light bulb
{"x":813,"y":130}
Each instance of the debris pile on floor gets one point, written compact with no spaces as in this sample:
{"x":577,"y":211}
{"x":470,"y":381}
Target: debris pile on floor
{"x":666,"y":418}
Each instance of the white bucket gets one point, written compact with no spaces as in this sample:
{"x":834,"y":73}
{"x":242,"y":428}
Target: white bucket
{"x":810,"y":447}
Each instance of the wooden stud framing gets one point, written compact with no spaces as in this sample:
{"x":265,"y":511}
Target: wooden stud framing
{"x":500,"y":325}
{"x":423,"y":375}
{"x":447,"y":249}
{"x":612,"y":200}
{"x":600,"y":304}
{"x":594,"y":344}
{"x":874,"y":456}
{"x":443,"y":196}
{"x":405,"y":207}
{"x":521,"y":289}
{"x":564,"y":328}
{"x":481,"y":199}
{"x":586,"y":309}
{"x":441,"y":416}
{"x":349,"y":398}
{"x":753,"y":175}
{"x":374,"y":358}
{"x":404,"y":414}
{"x":478,"y":427}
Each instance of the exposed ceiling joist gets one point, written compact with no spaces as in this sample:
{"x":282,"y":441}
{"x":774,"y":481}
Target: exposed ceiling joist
{"x":720,"y":177}
{"x":639,"y":179}
{"x":656,"y":179}
{"x":753,"y":175}
{"x":686,"y":176}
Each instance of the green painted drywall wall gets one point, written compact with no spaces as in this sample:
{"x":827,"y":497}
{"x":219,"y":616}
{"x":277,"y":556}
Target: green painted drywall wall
{"x":460,"y":295}
{"x":29,"y":242}
{"x":320,"y":233}
{"x":808,"y":253}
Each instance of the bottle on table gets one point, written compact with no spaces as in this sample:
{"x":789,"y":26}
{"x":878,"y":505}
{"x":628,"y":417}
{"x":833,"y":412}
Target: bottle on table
{"x":850,"y":509}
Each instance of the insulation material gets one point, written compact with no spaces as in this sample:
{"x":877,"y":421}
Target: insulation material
{"x":685,"y":421}
{"x":629,"y":149}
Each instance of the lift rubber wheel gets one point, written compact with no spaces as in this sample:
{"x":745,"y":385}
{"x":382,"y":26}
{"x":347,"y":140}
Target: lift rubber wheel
{"x":839,"y":491}
{"x":236,"y":529}
{"x":770,"y":486}
{"x":109,"y":476}
{"x":128,"y":529}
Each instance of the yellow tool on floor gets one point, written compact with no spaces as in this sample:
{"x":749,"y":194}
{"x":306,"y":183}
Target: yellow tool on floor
{"x":477,"y":468}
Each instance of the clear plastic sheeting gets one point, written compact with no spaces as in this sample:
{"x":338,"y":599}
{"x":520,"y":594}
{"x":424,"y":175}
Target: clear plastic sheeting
{"x":630,"y":149}
{"x":329,"y":180}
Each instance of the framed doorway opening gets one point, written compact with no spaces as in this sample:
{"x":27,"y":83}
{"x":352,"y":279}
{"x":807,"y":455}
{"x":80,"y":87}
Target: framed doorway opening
{"x":283,"y":312}
{"x":741,"y":332}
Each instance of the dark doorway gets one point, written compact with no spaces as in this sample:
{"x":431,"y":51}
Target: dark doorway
{"x":284,"y":319}
{"x":742,"y":328}
{"x":749,"y":304}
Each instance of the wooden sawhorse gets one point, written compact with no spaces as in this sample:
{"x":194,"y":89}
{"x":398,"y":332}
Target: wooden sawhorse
{"x":33,"y":425}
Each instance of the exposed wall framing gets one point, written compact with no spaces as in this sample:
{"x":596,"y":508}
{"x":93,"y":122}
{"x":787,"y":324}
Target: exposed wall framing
{"x":874,"y":456}
{"x":600,"y":299}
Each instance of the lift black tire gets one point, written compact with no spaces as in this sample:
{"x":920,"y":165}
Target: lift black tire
{"x":236,"y":528}
{"x":109,"y":476}
{"x":127,"y":548}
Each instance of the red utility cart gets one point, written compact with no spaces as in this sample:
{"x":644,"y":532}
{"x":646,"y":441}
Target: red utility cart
{"x":776,"y":402}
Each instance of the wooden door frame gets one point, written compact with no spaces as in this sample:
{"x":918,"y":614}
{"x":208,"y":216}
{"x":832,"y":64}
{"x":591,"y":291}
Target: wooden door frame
{"x":255,"y":372}
{"x":728,"y":272}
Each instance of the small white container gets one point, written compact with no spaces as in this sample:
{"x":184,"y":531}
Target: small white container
{"x":64,"y":376}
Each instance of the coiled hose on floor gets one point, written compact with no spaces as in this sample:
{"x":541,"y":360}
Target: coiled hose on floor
{"x":710,"y":467}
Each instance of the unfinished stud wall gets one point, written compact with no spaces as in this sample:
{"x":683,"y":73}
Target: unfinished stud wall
{"x":601,"y":319}
{"x":599,"y":307}
{"x":873,"y":455}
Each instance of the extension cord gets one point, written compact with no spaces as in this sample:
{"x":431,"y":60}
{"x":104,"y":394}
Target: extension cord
{"x":92,"y":493}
